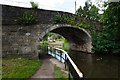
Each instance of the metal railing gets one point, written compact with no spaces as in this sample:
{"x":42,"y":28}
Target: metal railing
{"x":67,"y":61}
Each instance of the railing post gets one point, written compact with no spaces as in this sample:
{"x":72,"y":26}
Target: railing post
{"x":61,"y":56}
{"x":47,"y":49}
{"x":68,"y":73}
{"x":65,"y":62}
{"x":55,"y":53}
{"x":51,"y":51}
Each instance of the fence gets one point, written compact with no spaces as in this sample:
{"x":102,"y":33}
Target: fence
{"x":68,"y":62}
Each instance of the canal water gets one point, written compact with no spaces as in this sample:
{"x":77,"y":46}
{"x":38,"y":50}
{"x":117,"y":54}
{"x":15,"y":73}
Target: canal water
{"x":92,"y":65}
{"x":96,"y":65}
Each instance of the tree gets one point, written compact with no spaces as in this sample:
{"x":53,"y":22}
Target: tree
{"x":93,"y":13}
{"x":89,"y":10}
{"x":108,"y":41}
{"x":79,"y":11}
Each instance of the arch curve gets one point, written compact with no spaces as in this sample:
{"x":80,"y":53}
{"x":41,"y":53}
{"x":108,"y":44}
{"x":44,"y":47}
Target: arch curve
{"x":78,"y":38}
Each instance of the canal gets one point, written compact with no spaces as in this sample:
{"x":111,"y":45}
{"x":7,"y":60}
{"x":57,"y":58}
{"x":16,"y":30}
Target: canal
{"x":91,"y":65}
{"x":96,"y":65}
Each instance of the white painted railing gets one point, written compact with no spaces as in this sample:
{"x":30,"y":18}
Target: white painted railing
{"x":71,"y":61}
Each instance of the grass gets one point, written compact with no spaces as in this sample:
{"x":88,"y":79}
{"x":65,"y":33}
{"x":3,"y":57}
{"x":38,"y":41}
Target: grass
{"x":51,"y":43}
{"x":56,"y":43}
{"x":59,"y":73}
{"x":19,"y":67}
{"x":65,"y":45}
{"x":52,"y":57}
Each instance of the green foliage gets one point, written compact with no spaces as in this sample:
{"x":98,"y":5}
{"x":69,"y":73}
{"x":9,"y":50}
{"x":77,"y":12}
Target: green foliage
{"x":72,"y":20}
{"x":108,"y":41}
{"x":60,"y":19}
{"x":93,"y":13}
{"x":19,"y":67}
{"x":64,"y":19}
{"x":46,"y":36}
{"x":103,"y":43}
{"x":65,"y":45}
{"x":79,"y":11}
{"x":26,"y":18}
{"x":34,"y":5}
{"x":61,"y":39}
{"x":44,"y":43}
{"x":111,"y":14}
{"x":53,"y":35}
{"x":89,"y":10}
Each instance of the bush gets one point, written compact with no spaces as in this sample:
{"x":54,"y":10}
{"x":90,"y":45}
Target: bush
{"x":58,"y":18}
{"x":65,"y":45}
{"x":26,"y":18}
{"x":107,"y":41}
{"x":45,"y":43}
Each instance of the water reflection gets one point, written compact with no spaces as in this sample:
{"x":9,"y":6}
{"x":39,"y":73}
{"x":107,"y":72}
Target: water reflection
{"x":95,"y":65}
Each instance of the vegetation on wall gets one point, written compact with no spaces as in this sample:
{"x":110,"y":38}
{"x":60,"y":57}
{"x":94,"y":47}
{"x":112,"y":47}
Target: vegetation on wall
{"x":34,"y":5}
{"x":64,"y":19}
{"x":27,"y":18}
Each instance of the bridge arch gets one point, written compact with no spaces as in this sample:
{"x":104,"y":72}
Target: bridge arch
{"x":23,"y":40}
{"x":78,"y":38}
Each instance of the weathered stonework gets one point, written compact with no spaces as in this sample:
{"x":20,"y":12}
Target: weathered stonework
{"x":18,"y":39}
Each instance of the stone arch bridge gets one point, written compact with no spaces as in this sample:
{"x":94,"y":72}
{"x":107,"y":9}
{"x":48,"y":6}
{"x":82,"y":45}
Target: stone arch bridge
{"x":19,"y":39}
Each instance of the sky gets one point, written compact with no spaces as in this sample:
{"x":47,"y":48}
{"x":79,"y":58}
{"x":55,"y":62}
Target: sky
{"x":58,"y":5}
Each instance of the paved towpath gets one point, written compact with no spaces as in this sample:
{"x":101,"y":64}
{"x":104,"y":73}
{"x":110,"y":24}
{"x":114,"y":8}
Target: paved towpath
{"x":46,"y":70}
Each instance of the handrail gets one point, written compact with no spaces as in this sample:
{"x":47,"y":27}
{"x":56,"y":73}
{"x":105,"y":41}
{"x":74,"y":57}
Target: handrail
{"x":71,"y":61}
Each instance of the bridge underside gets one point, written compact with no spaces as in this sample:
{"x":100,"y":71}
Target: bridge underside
{"x":77,"y":39}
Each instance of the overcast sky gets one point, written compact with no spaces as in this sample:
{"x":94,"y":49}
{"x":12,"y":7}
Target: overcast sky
{"x":59,"y":5}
